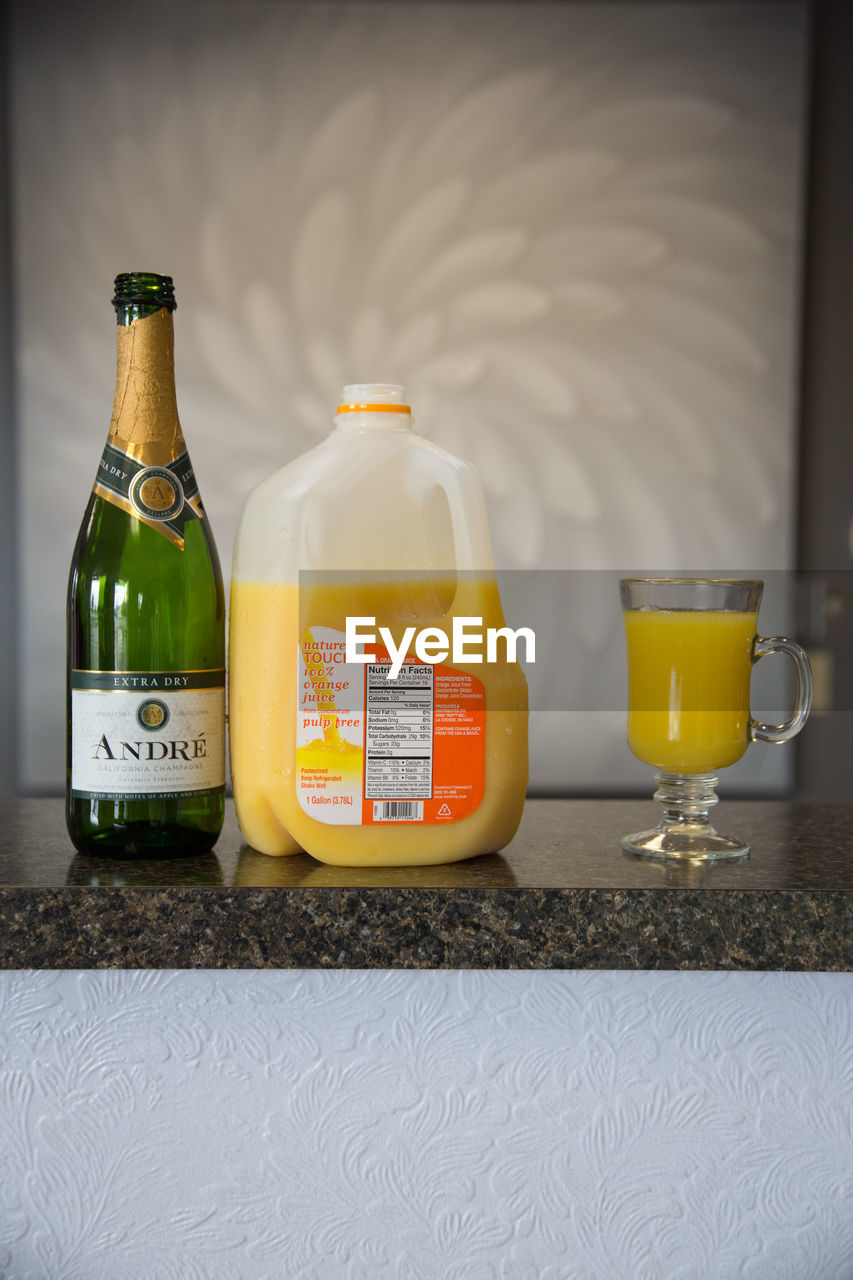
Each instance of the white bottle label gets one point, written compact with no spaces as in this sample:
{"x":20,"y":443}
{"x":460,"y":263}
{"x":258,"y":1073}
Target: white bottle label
{"x":141,"y":734}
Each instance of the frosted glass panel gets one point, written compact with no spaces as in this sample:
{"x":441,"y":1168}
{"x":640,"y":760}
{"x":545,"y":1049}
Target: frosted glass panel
{"x":571,"y":230}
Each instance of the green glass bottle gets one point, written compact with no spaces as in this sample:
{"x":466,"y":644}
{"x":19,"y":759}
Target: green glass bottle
{"x":146,"y":617}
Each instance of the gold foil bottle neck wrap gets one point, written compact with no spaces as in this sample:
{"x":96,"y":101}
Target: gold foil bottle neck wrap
{"x":145,"y":421}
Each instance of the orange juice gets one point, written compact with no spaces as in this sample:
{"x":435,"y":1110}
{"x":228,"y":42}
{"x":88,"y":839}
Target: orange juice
{"x":688,"y":687}
{"x":306,"y":771}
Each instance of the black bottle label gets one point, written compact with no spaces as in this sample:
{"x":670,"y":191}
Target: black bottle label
{"x":163,"y":497}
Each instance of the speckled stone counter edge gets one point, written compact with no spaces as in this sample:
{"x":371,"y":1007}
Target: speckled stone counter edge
{"x":188,"y":928}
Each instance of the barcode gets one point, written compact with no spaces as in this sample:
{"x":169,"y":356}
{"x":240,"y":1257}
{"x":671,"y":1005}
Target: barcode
{"x":398,"y":811}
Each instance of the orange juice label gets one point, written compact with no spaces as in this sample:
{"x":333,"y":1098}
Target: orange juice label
{"x":370,"y":749}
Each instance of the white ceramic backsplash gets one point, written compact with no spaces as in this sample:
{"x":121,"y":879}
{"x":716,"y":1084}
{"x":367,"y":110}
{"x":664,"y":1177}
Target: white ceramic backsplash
{"x":571,"y":229}
{"x":426,"y":1126}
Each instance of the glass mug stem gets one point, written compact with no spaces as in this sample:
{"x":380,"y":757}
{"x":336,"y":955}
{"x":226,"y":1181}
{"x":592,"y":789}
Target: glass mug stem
{"x":759,"y":731}
{"x":685,"y":831}
{"x":686,"y":798}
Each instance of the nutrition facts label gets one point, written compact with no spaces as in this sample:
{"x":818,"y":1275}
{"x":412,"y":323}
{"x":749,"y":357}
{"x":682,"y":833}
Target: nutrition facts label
{"x":399,"y":733}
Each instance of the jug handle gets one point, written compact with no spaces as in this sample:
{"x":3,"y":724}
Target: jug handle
{"x":467,"y":508}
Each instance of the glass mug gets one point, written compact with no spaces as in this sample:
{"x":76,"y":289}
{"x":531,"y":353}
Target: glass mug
{"x":692,"y":644}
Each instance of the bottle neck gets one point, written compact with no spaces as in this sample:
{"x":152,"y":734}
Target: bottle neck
{"x":145,"y":421}
{"x":373,"y":406}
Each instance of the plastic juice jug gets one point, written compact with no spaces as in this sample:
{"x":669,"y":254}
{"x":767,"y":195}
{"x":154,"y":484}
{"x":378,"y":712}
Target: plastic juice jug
{"x":338,"y":758}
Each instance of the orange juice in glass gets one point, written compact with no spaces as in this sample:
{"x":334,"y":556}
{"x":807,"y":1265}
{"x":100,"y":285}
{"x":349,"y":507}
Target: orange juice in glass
{"x":691,"y":645}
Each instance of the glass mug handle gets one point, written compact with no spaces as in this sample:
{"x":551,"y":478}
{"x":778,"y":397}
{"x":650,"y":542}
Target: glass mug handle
{"x":760,"y":732}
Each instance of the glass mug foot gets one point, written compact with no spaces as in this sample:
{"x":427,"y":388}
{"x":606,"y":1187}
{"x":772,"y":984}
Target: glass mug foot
{"x":685,"y":832}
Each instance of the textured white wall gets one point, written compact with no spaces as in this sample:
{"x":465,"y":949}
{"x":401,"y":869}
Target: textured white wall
{"x":427,"y":1126}
{"x":571,"y":229}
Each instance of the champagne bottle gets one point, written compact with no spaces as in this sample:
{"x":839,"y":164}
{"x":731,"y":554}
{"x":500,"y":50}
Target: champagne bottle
{"x":146,"y":617}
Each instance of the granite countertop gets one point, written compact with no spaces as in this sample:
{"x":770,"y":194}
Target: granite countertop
{"x":561,"y":895}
